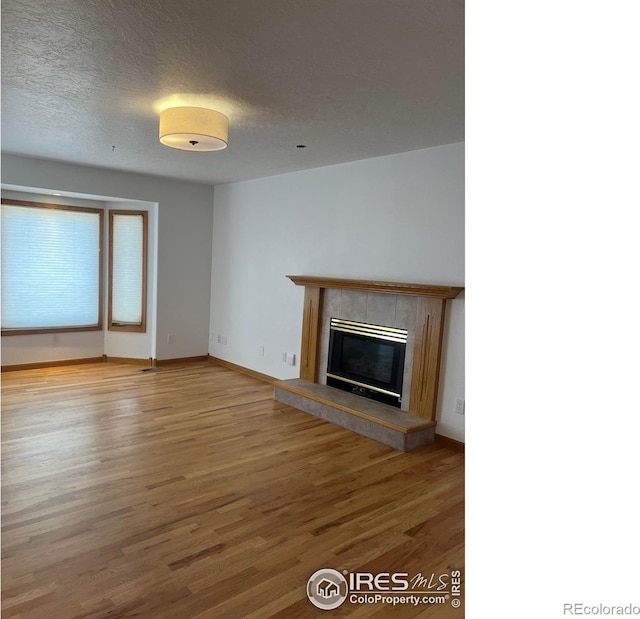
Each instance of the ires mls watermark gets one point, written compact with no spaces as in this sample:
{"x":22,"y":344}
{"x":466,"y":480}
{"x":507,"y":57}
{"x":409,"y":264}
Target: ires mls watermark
{"x":328,"y":588}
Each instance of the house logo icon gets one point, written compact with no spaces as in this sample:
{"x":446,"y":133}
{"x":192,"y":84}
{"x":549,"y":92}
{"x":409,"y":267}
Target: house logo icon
{"x":327,"y":589}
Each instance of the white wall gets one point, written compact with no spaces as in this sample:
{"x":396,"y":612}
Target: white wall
{"x":184,"y":224}
{"x":396,"y":218}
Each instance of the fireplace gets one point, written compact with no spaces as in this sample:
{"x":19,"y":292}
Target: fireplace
{"x":419,"y":308}
{"x":367,"y":360}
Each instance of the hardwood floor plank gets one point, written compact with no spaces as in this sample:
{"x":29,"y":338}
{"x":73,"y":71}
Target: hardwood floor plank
{"x":189,"y":492}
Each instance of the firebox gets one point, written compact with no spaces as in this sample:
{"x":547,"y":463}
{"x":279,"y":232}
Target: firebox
{"x":367,"y":360}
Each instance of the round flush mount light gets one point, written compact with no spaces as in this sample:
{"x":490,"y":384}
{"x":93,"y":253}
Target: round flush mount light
{"x":194,"y":128}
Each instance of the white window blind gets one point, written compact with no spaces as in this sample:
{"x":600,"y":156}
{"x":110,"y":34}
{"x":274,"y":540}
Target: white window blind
{"x":50,"y":267}
{"x":127,"y":269}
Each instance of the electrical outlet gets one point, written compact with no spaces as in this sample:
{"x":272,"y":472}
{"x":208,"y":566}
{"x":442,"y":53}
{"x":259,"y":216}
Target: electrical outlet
{"x":219,"y":339}
{"x":261,"y":351}
{"x":291,"y":358}
{"x":460,"y":406}
{"x":170,"y":338}
{"x":284,"y":357}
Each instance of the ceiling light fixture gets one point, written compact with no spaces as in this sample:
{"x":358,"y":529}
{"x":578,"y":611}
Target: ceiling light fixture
{"x":194,"y":128}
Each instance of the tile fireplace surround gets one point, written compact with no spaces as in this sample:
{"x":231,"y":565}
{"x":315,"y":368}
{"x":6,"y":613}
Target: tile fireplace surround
{"x":419,"y":308}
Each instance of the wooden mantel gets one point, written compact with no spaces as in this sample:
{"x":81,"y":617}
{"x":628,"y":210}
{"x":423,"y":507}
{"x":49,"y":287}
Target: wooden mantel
{"x":429,"y":330}
{"x":420,"y":290}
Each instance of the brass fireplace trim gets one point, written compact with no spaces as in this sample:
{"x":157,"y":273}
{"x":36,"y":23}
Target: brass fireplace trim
{"x":365,"y":385}
{"x":391,"y":334}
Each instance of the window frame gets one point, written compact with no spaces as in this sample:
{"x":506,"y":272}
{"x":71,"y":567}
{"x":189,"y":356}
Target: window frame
{"x":69,"y":328}
{"x":142,"y":327}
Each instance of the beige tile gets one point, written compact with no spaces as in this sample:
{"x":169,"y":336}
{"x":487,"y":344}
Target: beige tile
{"x":381,"y":309}
{"x":354,"y":306}
{"x":332,"y":302}
{"x":406,"y":310}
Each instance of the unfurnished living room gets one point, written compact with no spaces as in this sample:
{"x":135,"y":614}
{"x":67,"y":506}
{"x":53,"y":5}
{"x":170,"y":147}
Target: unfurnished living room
{"x":233,"y":378}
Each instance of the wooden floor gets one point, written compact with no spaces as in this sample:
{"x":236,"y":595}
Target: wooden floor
{"x":188,"y":492}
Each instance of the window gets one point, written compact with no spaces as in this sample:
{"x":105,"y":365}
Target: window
{"x":127,"y":271}
{"x":51,"y":268}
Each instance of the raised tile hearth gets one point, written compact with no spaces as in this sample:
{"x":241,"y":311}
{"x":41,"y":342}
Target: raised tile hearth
{"x":385,"y":424}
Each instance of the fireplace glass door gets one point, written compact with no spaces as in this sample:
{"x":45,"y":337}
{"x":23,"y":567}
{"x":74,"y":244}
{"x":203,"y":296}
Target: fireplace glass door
{"x":367,"y":359}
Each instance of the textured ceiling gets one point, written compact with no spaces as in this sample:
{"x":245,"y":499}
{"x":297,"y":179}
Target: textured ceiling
{"x":351,"y":79}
